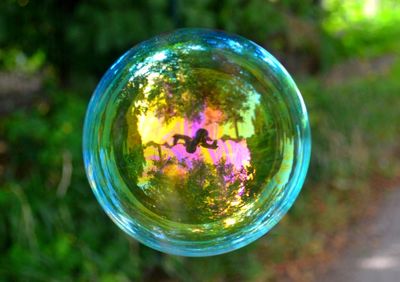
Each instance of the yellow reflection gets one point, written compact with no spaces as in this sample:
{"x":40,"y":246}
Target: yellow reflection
{"x":283,"y":175}
{"x":229,"y":221}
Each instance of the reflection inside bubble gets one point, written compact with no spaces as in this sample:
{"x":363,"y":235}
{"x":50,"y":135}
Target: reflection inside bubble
{"x":196,"y":142}
{"x":200,"y":140}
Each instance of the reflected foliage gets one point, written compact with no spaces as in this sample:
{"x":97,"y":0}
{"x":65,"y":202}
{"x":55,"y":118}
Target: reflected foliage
{"x":203,"y":137}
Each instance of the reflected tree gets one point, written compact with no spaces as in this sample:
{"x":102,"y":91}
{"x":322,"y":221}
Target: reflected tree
{"x":193,"y":191}
{"x":263,"y":147}
{"x":177,"y":87}
{"x":205,"y":193}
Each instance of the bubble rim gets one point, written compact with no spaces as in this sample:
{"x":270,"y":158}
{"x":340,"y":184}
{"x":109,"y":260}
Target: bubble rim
{"x":197,"y":248}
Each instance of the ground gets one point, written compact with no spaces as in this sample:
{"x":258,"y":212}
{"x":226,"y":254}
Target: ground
{"x":374,"y":254}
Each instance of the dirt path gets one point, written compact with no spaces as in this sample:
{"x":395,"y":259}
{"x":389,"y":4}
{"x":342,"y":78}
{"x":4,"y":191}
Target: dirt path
{"x":374,"y":255}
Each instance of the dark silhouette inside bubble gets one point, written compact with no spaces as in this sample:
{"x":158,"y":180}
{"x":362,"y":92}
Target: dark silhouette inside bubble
{"x":200,"y":139}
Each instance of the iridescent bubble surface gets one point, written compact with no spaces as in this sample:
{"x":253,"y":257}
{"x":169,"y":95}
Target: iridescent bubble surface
{"x":196,"y":142}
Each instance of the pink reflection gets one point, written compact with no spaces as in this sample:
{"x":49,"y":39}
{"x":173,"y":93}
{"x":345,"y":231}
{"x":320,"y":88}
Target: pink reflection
{"x":232,"y":153}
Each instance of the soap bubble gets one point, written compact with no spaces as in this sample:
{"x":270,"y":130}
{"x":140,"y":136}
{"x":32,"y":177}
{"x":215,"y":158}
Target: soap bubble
{"x":197,"y":142}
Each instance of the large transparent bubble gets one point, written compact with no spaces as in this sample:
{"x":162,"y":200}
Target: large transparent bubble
{"x":196,"y":142}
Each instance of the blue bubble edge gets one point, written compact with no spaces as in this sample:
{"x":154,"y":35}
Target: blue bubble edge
{"x":190,"y":249}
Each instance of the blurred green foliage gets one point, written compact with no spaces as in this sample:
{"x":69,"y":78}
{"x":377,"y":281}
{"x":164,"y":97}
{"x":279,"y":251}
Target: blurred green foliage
{"x":51,"y":226}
